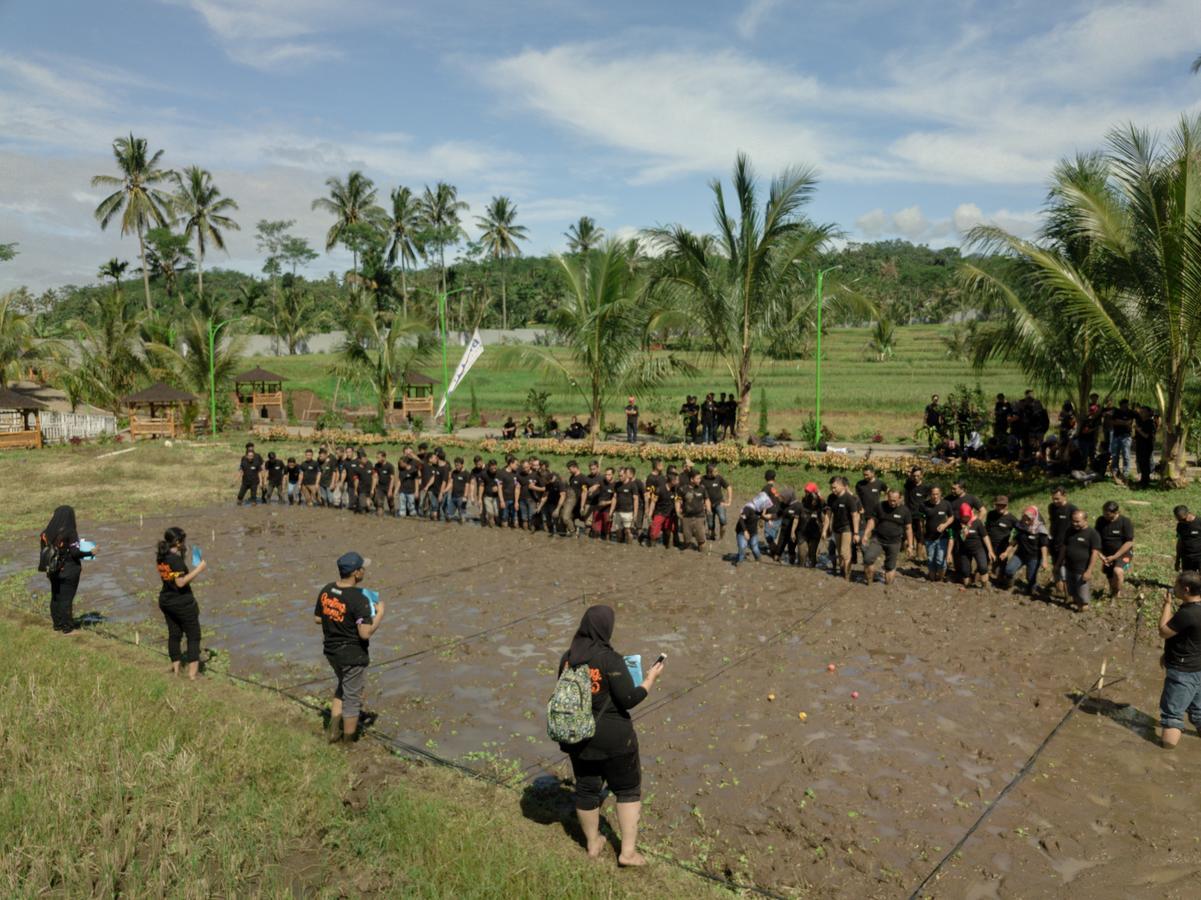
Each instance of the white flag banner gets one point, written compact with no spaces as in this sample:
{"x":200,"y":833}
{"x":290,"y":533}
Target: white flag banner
{"x":475,"y":349}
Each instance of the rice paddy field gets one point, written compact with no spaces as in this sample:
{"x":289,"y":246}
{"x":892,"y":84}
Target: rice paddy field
{"x":861,"y":397}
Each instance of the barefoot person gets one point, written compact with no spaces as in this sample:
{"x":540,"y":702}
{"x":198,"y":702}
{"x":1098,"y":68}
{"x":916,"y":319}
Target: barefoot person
{"x":1078,"y":559}
{"x":60,"y":559}
{"x":610,"y":757}
{"x":1117,"y":545}
{"x":177,"y":602}
{"x":347,"y":623}
{"x":1181,"y":631}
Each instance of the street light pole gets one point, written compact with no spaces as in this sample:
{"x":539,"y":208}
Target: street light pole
{"x":817,"y":415}
{"x":213,"y":329}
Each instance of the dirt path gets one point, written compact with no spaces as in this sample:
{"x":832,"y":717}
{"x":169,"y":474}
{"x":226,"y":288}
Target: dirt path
{"x":859,"y":799}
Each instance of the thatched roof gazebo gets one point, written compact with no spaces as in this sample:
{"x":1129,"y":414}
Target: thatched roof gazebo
{"x":263,"y":391}
{"x":417,"y":395}
{"x":16,"y":429}
{"x":163,"y":415}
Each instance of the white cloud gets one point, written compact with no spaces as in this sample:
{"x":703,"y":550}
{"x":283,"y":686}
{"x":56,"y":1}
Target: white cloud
{"x":752,"y":16}
{"x":913,"y":225}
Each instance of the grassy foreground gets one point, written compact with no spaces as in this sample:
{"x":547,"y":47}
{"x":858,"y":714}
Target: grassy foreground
{"x":122,"y":781}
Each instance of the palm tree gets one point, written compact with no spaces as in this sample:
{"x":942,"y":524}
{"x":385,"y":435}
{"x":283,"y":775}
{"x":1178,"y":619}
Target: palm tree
{"x":292,"y":314}
{"x":404,"y":226}
{"x":114,"y":269}
{"x":1140,"y":293}
{"x":16,"y":338}
{"x":137,"y":197}
{"x":380,"y":347}
{"x":604,"y":321}
{"x":883,"y":340}
{"x":186,"y":359}
{"x":440,"y":221}
{"x":499,"y":238}
{"x":203,"y":214}
{"x":584,"y":235}
{"x":1027,"y":324}
{"x":110,"y":350}
{"x":352,"y":202}
{"x":168,"y":256}
{"x":747,"y":284}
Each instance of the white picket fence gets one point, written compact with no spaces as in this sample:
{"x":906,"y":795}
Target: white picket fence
{"x":60,"y":427}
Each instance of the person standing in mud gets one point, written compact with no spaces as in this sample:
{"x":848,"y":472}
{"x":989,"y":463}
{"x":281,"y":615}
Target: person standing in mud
{"x":177,"y":603}
{"x":610,"y":757}
{"x":251,"y":469}
{"x":60,"y":557}
{"x":365,"y":481}
{"x":1181,"y":660}
{"x":348,"y":619}
{"x":1078,"y":559}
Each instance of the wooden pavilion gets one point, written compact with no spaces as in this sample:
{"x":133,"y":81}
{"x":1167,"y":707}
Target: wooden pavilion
{"x":417,"y":395}
{"x":263,"y":392}
{"x":17,"y":429}
{"x":157,"y":411}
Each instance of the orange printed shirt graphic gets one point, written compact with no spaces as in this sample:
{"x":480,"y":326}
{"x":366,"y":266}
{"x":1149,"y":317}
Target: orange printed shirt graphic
{"x":595,"y":675}
{"x":166,"y":574}
{"x":334,"y":609}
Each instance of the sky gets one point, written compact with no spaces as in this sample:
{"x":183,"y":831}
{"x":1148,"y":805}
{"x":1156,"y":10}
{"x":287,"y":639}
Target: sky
{"x":920,"y":118}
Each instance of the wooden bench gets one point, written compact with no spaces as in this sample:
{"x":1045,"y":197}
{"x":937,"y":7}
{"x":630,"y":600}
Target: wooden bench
{"x":21,"y":440}
{"x":144,"y":426}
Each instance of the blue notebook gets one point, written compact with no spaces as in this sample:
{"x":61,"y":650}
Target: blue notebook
{"x":197,"y":556}
{"x":372,"y":598}
{"x":634,"y":664}
{"x":86,"y":546}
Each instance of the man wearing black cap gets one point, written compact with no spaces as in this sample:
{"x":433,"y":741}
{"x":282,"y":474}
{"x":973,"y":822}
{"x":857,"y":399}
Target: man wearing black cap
{"x":348,"y":618}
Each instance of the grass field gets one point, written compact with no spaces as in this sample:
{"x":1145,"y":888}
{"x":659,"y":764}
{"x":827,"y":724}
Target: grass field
{"x":122,"y":781}
{"x":860,"y":396}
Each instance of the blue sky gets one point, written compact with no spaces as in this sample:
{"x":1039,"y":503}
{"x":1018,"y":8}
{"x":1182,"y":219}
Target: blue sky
{"x":921,"y":118}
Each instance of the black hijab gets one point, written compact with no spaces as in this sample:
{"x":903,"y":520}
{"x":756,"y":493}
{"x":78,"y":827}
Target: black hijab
{"x":596,"y":628}
{"x":62,"y":530}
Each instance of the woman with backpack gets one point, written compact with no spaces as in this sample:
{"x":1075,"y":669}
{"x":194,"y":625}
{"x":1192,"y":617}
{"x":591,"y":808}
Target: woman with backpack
{"x":177,"y":602}
{"x":60,"y":560}
{"x":610,"y":755}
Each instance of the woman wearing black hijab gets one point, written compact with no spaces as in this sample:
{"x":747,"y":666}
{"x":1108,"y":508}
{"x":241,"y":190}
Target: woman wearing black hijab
{"x":60,"y":560}
{"x":610,"y":756}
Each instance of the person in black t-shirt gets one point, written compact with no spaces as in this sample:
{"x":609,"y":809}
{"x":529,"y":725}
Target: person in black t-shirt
{"x":632,"y":421}
{"x":1188,"y":540}
{"x":603,"y":501}
{"x":406,"y":478}
{"x":509,"y":492}
{"x":937,"y":519}
{"x":663,"y":508}
{"x":720,"y":497}
{"x":1181,"y":631}
{"x":490,"y":492}
{"x":935,"y":420}
{"x":1078,"y":558}
{"x":917,"y":491}
{"x":177,"y":602}
{"x":292,"y":471}
{"x":971,"y":547}
{"x":692,"y":508}
{"x":383,"y":488}
{"x":365,"y":482}
{"x":889,"y":527}
{"x":460,"y":481}
{"x":709,"y":422}
{"x":327,"y":472}
{"x":60,"y":558}
{"x":1117,"y":545}
{"x":841,"y":524}
{"x":870,"y":492}
{"x":250,"y":468}
{"x":999,"y":522}
{"x":626,"y":506}
{"x":1144,"y":444}
{"x":310,"y":471}
{"x":348,"y":619}
{"x":1059,"y":523}
{"x":1027,"y":550}
{"x":275,"y":471}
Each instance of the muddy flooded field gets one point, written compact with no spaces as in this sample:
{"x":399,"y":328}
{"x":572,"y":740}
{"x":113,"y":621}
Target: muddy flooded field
{"x":759,"y":762}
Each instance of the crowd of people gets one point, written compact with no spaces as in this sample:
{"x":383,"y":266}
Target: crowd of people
{"x":1101,"y":440}
{"x":948,"y":531}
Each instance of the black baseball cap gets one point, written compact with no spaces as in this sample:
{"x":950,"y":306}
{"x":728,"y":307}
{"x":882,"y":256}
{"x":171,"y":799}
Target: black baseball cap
{"x":349,"y":563}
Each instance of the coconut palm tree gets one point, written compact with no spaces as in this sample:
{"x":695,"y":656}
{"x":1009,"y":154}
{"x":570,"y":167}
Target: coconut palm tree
{"x":604,"y":321}
{"x":114,"y":269}
{"x":747,"y":283}
{"x":8,"y":251}
{"x":203,"y":213}
{"x":584,"y":235}
{"x":291,"y":315}
{"x":186,"y":359}
{"x":16,"y":338}
{"x":351,"y":202}
{"x":404,"y":227}
{"x":379,"y":348}
{"x":883,"y":340}
{"x":168,"y":256}
{"x":499,"y":238}
{"x":440,"y":209}
{"x":1140,"y":293}
{"x":1027,"y":325}
{"x":138,"y":198}
{"x":111,"y":358}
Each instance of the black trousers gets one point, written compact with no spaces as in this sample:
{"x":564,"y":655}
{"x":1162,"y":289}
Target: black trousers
{"x":250,"y":487}
{"x":183,"y":618}
{"x":62,"y":599}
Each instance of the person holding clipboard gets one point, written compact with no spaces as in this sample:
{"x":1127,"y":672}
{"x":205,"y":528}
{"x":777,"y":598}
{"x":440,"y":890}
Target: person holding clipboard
{"x":176,"y":600}
{"x":610,"y":757}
